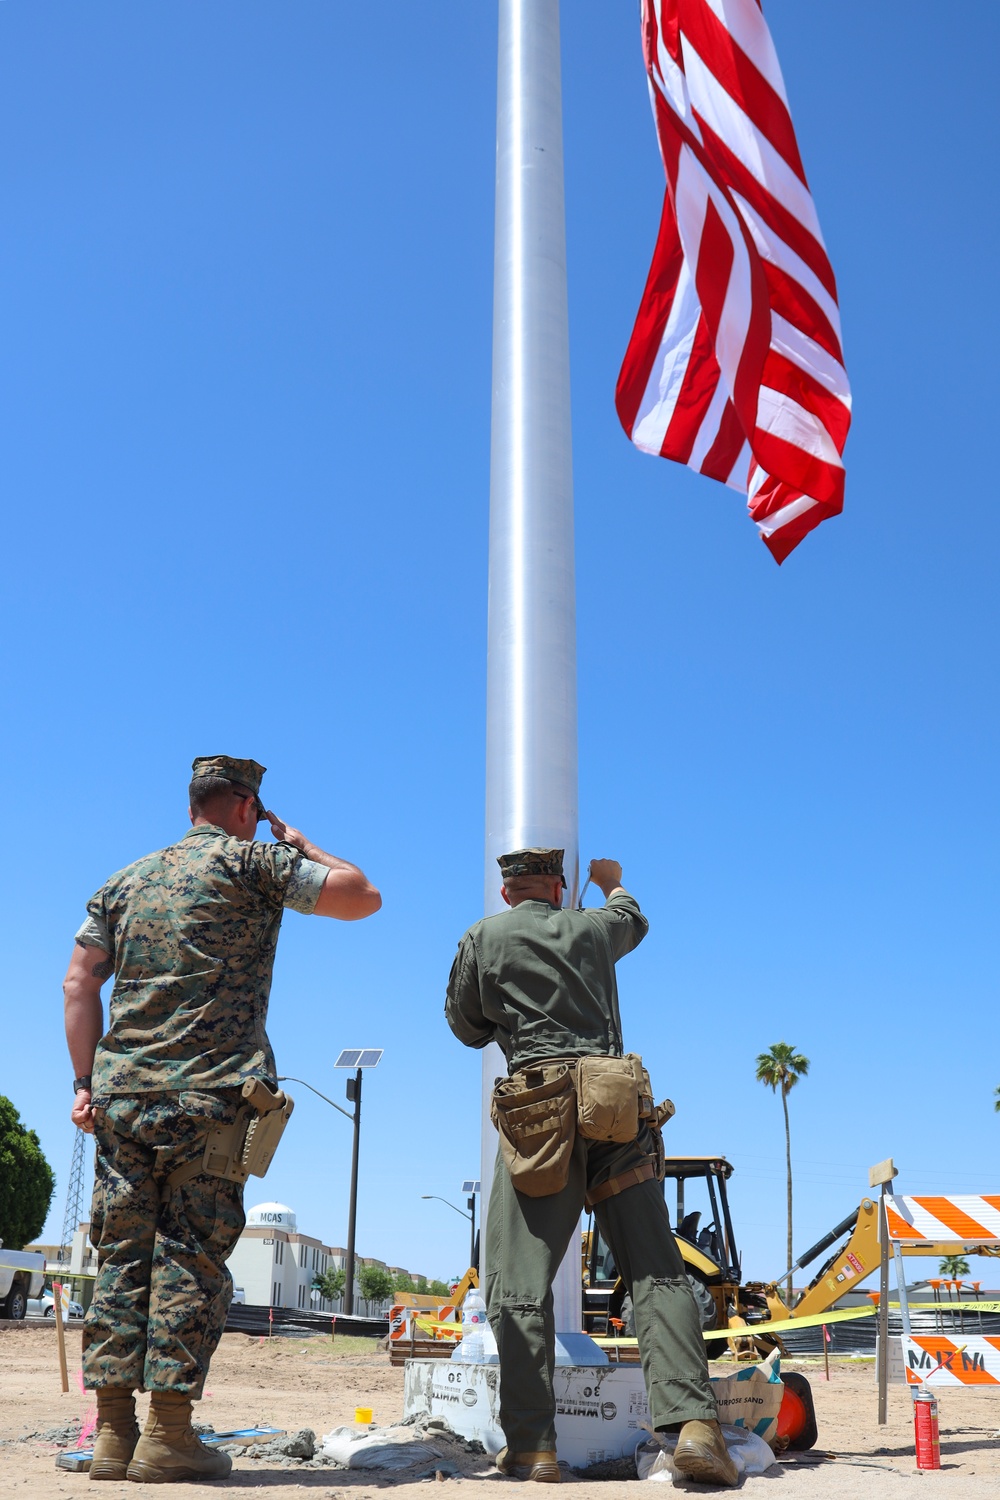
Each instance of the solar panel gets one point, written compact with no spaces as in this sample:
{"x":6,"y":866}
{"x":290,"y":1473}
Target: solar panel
{"x":470,"y":1185}
{"x":356,"y":1057}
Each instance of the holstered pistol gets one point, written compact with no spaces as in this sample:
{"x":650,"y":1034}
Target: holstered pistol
{"x":246,"y":1147}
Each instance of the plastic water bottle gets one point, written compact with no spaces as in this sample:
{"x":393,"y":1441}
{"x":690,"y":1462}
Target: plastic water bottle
{"x":471,"y":1351}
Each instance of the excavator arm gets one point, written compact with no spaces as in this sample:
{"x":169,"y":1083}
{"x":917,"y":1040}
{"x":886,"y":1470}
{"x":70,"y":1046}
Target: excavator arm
{"x":858,"y":1258}
{"x":850,"y":1265}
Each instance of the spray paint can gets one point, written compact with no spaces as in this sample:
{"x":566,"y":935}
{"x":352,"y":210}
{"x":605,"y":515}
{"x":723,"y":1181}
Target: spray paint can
{"x":925,"y":1426}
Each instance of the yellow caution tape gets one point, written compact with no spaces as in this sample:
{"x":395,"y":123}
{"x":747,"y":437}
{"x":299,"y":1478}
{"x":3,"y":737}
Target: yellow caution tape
{"x":848,"y":1315}
{"x":453,"y":1329}
{"x":785,"y":1324}
{"x":947,"y":1307}
{"x":751,"y":1329}
{"x":432,"y":1325}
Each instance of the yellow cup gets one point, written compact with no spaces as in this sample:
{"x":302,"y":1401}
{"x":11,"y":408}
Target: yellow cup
{"x":362,"y":1414}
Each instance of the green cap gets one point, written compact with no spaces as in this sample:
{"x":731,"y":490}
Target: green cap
{"x":244,"y":772}
{"x":533,"y":862}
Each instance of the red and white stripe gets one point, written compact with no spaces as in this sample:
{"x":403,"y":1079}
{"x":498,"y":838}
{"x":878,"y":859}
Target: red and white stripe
{"x":735,"y":366}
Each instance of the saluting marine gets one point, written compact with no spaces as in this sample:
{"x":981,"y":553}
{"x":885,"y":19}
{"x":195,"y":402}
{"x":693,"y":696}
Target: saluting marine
{"x":577,"y":1127}
{"x":189,"y":934}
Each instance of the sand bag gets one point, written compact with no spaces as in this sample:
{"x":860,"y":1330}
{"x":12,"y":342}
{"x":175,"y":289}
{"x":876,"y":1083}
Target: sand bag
{"x":751,"y":1397}
{"x":377,"y":1448}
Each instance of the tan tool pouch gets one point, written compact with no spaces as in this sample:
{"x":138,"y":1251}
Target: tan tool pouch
{"x":246,"y":1147}
{"x":535,"y":1114}
{"x":608,"y":1093}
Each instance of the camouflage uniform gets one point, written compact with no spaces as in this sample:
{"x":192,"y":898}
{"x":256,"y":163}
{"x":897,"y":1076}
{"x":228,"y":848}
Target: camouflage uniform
{"x":192,"y":932}
{"x":163,"y":1290}
{"x":540,"y":981}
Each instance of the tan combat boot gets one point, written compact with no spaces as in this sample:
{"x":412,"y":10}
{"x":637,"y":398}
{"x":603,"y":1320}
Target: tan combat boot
{"x":117,"y":1433}
{"x":169,"y":1450}
{"x":701,"y":1454}
{"x":541,"y":1466}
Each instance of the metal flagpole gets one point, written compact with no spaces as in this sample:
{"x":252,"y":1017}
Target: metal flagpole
{"x":531,"y":718}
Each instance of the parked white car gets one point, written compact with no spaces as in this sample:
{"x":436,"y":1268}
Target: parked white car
{"x":44,"y":1306}
{"x":22,"y":1275}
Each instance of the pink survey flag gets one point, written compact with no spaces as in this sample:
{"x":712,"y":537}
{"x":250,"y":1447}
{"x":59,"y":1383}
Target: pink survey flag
{"x":735,"y":366}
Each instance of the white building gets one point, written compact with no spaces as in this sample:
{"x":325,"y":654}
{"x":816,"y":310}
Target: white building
{"x":275,"y":1264}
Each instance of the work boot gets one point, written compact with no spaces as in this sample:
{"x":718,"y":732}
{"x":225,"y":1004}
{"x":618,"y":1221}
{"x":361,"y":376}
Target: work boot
{"x":169,"y":1450}
{"x":541,"y":1466}
{"x":701,"y":1454}
{"x":117,"y":1433}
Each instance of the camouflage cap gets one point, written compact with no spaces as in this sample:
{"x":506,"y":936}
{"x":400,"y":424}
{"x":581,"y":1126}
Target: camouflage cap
{"x":533,"y":862}
{"x":244,"y":772}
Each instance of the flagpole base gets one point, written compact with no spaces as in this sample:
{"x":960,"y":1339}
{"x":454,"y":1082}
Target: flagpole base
{"x":578,"y":1349}
{"x":601,"y":1409}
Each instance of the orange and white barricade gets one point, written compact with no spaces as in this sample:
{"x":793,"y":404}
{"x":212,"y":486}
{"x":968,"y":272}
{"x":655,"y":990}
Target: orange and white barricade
{"x":933,"y":1359}
{"x":965,"y":1220}
{"x":951,"y":1225}
{"x":435,"y":1322}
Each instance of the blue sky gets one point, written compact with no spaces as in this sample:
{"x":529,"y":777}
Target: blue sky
{"x":244,"y":443}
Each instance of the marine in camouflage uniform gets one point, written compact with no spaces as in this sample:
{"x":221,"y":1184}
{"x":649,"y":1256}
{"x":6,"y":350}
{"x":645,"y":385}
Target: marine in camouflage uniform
{"x":190,"y":934}
{"x":540,"y":981}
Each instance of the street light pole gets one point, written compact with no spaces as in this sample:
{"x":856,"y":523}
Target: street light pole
{"x":471,"y":1203}
{"x":354,"y":1096}
{"x":357,"y":1058}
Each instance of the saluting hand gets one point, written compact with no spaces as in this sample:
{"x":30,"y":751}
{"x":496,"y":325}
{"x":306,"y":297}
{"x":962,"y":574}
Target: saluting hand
{"x":285,"y":833}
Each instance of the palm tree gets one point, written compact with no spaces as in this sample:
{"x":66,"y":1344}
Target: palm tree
{"x":954,"y":1266}
{"x":996,"y":1103}
{"x":781,"y":1066}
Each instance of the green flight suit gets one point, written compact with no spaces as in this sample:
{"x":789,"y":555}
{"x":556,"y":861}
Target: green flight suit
{"x":540,"y":980}
{"x":191,"y":931}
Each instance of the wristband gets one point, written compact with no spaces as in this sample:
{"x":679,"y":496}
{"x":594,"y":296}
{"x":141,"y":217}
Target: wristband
{"x":83,"y":1082}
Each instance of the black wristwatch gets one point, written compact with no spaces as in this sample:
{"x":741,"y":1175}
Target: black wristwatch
{"x":83,"y":1082}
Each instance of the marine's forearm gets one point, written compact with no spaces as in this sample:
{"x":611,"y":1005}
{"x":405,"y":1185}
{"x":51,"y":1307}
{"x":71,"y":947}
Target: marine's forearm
{"x":84,"y":1015}
{"x":320,"y":857}
{"x":347,"y":892}
{"x":88,"y":969}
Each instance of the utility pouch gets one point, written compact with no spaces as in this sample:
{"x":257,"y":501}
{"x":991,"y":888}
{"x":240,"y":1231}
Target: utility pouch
{"x":608,"y":1093}
{"x":535,"y":1115}
{"x":246,"y":1147}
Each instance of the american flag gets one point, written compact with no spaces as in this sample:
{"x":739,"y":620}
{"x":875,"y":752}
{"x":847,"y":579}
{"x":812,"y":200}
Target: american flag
{"x":735,"y":366}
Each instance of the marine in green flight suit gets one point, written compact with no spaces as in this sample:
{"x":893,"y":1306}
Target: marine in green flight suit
{"x":539,"y":979}
{"x":189,"y":935}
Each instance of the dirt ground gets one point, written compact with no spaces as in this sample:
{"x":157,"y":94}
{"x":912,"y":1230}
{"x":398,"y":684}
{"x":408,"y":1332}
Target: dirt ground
{"x":296,"y":1383}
